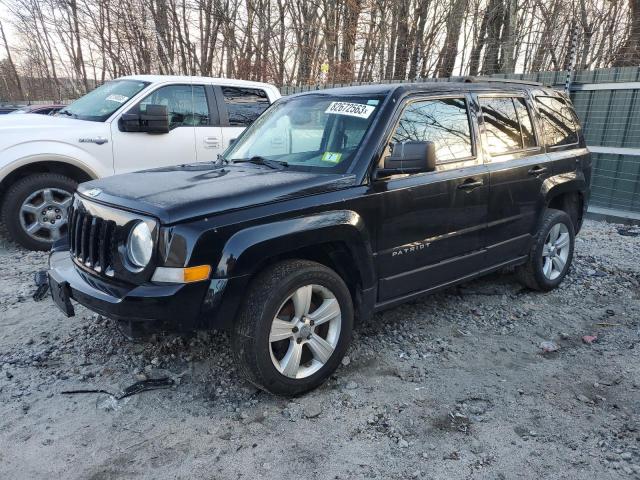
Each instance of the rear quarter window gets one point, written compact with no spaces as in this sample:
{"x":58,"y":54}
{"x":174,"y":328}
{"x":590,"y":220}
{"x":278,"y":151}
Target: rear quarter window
{"x":558,"y":121}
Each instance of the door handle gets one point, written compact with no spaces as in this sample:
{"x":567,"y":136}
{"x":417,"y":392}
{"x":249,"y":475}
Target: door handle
{"x":538,"y":170}
{"x":212,"y":142}
{"x":470,"y":184}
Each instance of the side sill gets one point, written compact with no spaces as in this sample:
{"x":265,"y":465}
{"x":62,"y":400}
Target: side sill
{"x":405,"y":298}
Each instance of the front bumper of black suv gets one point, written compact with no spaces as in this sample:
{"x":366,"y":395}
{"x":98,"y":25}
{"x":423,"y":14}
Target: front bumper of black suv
{"x":142,"y":308}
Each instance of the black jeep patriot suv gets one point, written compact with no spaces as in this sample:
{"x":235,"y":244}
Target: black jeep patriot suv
{"x":333,"y":205}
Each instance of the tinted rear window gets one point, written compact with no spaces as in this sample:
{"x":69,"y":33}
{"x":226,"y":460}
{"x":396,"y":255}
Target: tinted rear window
{"x":507,"y":123}
{"x":558,"y":121}
{"x":244,"y":105}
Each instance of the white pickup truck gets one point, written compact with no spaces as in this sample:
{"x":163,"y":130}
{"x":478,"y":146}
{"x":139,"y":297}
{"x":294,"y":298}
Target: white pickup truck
{"x":132,"y":123}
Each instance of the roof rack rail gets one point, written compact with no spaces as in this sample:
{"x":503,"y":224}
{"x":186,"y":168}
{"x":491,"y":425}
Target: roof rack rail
{"x":471,"y":79}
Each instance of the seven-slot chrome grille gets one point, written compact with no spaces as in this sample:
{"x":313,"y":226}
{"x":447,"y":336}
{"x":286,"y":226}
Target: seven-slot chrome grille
{"x":92,"y":240}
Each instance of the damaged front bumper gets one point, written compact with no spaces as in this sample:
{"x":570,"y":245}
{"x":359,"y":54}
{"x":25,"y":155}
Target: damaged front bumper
{"x":142,"y":308}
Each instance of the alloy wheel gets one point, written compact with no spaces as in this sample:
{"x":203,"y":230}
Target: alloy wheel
{"x":556,"y":251}
{"x":43,"y":214}
{"x":305,"y":331}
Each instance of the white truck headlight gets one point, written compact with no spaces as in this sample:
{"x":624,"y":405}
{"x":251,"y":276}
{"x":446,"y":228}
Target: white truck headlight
{"x":140,"y":245}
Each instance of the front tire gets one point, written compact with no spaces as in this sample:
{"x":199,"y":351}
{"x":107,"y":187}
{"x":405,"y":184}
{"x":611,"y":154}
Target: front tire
{"x":294,"y":327}
{"x":551,"y":253}
{"x":34,"y":211}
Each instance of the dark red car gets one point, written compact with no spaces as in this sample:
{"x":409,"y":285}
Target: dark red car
{"x":39,"y":109}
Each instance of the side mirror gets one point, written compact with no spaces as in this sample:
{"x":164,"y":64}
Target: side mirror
{"x":130,"y":121}
{"x":155,"y":119}
{"x":410,"y":157}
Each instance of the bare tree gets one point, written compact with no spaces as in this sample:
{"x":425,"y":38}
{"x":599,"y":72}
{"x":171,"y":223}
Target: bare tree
{"x":629,"y":53}
{"x":66,"y":47}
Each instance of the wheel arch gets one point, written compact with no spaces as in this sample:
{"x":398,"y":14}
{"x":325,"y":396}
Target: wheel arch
{"x":75,"y":170}
{"x":567,"y":192}
{"x":337,"y":239}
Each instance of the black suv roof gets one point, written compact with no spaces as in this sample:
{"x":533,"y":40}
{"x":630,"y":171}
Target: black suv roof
{"x":463,"y":85}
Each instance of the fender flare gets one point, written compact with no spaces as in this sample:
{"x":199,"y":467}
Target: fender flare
{"x":247,"y":250}
{"x":564,"y":183}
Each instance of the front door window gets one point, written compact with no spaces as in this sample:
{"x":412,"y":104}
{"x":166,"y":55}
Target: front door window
{"x":186,"y":104}
{"x":442,"y":121}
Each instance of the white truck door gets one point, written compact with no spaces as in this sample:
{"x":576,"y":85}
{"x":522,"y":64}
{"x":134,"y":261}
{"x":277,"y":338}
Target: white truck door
{"x":239,"y":107}
{"x":139,"y":150}
{"x":208,"y":132}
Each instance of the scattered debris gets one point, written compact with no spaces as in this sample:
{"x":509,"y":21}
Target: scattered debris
{"x":629,"y":231}
{"x":455,"y":455}
{"x":460,"y":421}
{"x":138,"y":387}
{"x":413,"y":366}
{"x":476,"y":447}
{"x":41,"y":280}
{"x":549,"y":347}
{"x":312,"y":410}
{"x":610,"y":381}
{"x":583,"y":398}
{"x":589,"y":339}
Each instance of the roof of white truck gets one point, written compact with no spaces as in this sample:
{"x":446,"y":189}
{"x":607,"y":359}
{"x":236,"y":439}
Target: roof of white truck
{"x":188,"y":79}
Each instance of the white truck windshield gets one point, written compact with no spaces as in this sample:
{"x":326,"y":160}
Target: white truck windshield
{"x":99,"y":105}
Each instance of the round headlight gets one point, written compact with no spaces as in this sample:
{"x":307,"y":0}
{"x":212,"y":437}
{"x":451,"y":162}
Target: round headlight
{"x":140,"y":245}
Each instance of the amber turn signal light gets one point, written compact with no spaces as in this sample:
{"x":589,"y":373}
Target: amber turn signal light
{"x":181,"y":275}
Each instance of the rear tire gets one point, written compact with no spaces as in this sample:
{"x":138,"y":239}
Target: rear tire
{"x":551,"y":253}
{"x":25,"y":204}
{"x":302,"y":347}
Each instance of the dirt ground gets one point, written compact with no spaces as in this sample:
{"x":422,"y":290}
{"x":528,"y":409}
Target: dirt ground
{"x":455,"y":386}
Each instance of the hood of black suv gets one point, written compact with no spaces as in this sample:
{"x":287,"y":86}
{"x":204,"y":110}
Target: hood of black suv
{"x":184,"y":192}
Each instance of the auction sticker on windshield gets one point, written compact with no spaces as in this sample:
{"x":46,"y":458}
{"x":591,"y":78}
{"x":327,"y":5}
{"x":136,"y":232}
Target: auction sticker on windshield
{"x":117,"y":98}
{"x":350,"y":109}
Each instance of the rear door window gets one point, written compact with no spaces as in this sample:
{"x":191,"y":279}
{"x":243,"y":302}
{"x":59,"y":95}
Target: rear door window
{"x":444,"y":122}
{"x":244,"y":105}
{"x":507,"y":124}
{"x":558,"y":121}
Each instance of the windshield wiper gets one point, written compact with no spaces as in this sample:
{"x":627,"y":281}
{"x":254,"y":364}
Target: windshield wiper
{"x":67,"y":112}
{"x":262,"y":161}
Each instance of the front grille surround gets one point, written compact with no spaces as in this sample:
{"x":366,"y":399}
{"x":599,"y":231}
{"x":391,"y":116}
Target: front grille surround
{"x":98,"y":235}
{"x":93,"y":241}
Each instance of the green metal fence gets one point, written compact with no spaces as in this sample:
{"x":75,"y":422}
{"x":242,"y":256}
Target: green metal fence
{"x":608,"y":104}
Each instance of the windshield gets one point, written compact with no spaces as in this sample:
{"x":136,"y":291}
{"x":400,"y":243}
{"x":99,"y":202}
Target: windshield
{"x":100,"y":104}
{"x":310,"y":132}
{"x":18,"y":111}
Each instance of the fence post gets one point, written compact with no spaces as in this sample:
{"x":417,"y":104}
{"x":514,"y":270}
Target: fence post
{"x":573,"y":57}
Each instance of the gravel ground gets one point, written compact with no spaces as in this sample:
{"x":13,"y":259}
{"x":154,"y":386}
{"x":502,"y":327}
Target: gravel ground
{"x":454,"y":386}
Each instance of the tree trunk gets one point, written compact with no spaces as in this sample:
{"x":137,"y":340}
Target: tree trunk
{"x":12,"y":66}
{"x":508,"y":40}
{"x":629,"y":54}
{"x":388,"y":73}
{"x":449,"y":52}
{"x":347,"y":55}
{"x":490,"y":62}
{"x":402,"y":48}
{"x":418,"y":43}
{"x":474,"y":58}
